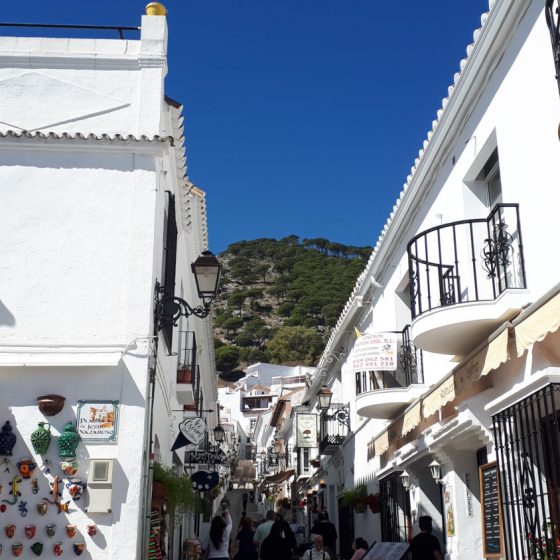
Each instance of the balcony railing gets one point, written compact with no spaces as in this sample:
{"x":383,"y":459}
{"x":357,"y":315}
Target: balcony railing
{"x":409,"y":372}
{"x":187,"y":357}
{"x":466,"y":261}
{"x":335,"y":426}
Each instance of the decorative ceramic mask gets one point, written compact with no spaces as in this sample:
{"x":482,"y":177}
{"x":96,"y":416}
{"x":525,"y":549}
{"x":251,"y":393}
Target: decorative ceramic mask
{"x":57,"y":549}
{"x":42,"y":508}
{"x":37,"y":548}
{"x":10,"y":531}
{"x":26,"y":467}
{"x":30,"y":531}
{"x":92,"y":529}
{"x":76,"y":488}
{"x":7,"y":439}
{"x":69,"y":468}
{"x":51,"y":530}
{"x":78,"y":548}
{"x":17,"y":549}
{"x":71,"y":531}
{"x":68,"y":442}
{"x":41,"y":438}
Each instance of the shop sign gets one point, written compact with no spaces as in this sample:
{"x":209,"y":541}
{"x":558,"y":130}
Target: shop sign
{"x":375,"y":352}
{"x":98,"y":421}
{"x":306,"y":430}
{"x":191,"y":431}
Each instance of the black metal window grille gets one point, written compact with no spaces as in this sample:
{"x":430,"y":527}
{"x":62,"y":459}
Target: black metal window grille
{"x":187,"y":357}
{"x":302,"y":461}
{"x":394,"y":509}
{"x":527,"y":436}
{"x":466,"y":261}
{"x":169,"y":264}
{"x":335,"y":425}
{"x":410,"y":368}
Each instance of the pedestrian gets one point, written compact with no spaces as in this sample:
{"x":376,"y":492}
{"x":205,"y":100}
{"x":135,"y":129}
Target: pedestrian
{"x":263,"y":529}
{"x":288,"y":534}
{"x":244,"y":548}
{"x":245,"y":498}
{"x":360,"y":547}
{"x":275,"y":546}
{"x":243,"y":515}
{"x":217,"y":540}
{"x":317,"y":552}
{"x":424,"y":546}
{"x":327,"y":530}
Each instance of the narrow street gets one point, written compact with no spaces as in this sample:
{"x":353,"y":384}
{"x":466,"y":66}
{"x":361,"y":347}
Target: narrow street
{"x":235,"y":498}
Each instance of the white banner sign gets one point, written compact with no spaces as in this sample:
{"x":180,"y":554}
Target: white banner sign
{"x":375,"y":352}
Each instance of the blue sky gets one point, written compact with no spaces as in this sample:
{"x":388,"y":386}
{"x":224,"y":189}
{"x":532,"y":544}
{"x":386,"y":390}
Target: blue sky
{"x":301,"y":116}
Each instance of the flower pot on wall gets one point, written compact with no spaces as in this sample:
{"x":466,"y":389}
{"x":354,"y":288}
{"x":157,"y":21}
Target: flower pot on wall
{"x":359,"y":507}
{"x":50,"y":405}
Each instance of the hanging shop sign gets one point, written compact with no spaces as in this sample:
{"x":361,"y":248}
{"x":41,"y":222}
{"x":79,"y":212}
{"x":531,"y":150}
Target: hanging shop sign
{"x":204,"y":480}
{"x":98,"y":421}
{"x":212,"y":456}
{"x":191,"y":431}
{"x":375,"y":352}
{"x":306,"y":431}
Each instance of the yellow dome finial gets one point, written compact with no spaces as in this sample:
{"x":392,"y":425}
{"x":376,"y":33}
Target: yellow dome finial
{"x":156,"y":9}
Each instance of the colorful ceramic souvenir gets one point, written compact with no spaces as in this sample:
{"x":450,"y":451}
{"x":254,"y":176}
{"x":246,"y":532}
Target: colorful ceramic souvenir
{"x":78,"y":548}
{"x":26,"y":467}
{"x":68,"y":441}
{"x":58,"y":550}
{"x":23,"y":508}
{"x":7,"y":439}
{"x":14,"y":492}
{"x":76,"y":487}
{"x":62,"y":507}
{"x":34,"y":486}
{"x":10,"y":531}
{"x":92,"y":529}
{"x":30,"y":531}
{"x":51,"y":530}
{"x":71,"y":531}
{"x":50,"y":405}
{"x":3,"y":508}
{"x":17,"y":549}
{"x":41,"y":438}
{"x":55,"y":490}
{"x":69,"y":468}
{"x":37,"y":548}
{"x":42,"y":508}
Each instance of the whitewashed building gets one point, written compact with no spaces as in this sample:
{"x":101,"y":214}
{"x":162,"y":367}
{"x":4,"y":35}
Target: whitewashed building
{"x":96,"y":211}
{"x":454,"y":407}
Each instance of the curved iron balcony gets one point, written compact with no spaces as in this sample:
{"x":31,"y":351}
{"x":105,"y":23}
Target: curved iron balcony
{"x":465,"y":262}
{"x":381,"y":394}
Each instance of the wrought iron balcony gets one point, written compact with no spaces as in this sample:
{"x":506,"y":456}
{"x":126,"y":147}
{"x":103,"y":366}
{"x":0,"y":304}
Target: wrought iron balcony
{"x":465,"y":262}
{"x":335,"y":425}
{"x":380,"y":394}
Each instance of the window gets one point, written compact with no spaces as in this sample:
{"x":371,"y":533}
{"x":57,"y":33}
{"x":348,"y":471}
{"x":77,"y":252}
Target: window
{"x":169,"y":262}
{"x":490,"y":175}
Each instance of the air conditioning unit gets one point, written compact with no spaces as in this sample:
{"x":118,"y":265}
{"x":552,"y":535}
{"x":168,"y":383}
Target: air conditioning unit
{"x":100,"y":485}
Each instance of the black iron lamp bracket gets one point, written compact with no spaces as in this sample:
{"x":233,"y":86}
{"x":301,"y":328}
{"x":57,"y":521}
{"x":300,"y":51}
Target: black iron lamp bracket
{"x":341,"y":413}
{"x":170,"y":308}
{"x":552,"y":12}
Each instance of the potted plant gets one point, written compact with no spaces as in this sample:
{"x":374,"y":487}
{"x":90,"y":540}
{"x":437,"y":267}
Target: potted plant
{"x":176,"y":488}
{"x":355,"y":497}
{"x":184,"y":374}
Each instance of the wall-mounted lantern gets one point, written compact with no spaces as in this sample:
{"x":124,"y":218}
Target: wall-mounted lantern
{"x":325,"y":397}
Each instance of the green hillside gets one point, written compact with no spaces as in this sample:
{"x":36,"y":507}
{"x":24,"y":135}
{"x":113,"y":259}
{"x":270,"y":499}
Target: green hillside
{"x":279,"y":299}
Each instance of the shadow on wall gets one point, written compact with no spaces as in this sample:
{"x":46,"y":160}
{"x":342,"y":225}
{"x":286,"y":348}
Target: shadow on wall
{"x":6,"y":318}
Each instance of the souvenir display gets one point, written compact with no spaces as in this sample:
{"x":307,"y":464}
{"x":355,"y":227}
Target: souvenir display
{"x":17,"y":549}
{"x":92,"y":529}
{"x":71,"y":531}
{"x":68,"y":441}
{"x":50,"y":405}
{"x":76,"y":487}
{"x":69,"y":468}
{"x":58,"y":550}
{"x":51,"y":530}
{"x":14,"y":492}
{"x":42,"y":507}
{"x":30,"y":531}
{"x":7,"y":439}
{"x":26,"y":467}
{"x":55,"y":491}
{"x":41,"y":438}
{"x":23,"y":509}
{"x":10,"y":531}
{"x":78,"y":548}
{"x":37,"y":548}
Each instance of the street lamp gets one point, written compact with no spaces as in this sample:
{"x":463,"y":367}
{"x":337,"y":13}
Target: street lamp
{"x":219,"y":433}
{"x":435,"y":470}
{"x":207,"y":271}
{"x":325,"y":396}
{"x":405,"y":479}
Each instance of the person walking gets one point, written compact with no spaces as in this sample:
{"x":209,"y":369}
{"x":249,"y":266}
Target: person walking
{"x":327,"y":530}
{"x":244,"y":548}
{"x":424,"y":546}
{"x":360,"y":547}
{"x":316,"y":552}
{"x":245,"y":498}
{"x":217,"y":540}
{"x":263,"y":530}
{"x":275,"y":546}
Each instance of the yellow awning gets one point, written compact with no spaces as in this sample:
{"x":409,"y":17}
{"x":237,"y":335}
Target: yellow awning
{"x":381,"y":444}
{"x":412,"y":418}
{"x":541,"y":322}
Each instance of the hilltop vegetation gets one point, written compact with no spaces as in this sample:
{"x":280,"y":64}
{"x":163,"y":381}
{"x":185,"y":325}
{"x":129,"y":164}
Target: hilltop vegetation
{"x":279,"y":298}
